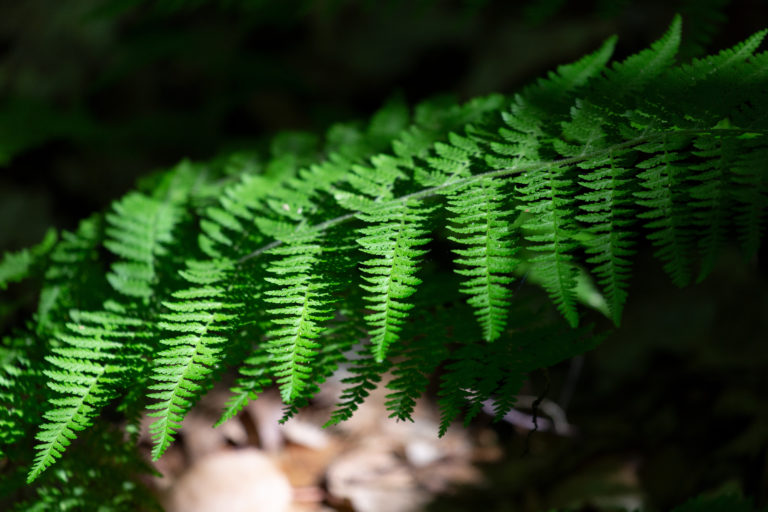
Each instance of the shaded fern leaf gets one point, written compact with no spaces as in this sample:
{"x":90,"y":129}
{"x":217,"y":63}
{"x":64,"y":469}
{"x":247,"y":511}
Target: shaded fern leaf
{"x":254,"y":378}
{"x":365,"y":374}
{"x":548,"y":196}
{"x":74,"y":277}
{"x":667,"y":201}
{"x":711,"y":197}
{"x":721,"y":503}
{"x":18,"y":378}
{"x":16,"y":266}
{"x":750,"y":193}
{"x":138,"y":231}
{"x":459,"y":386}
{"x":607,"y":210}
{"x":416,"y":360}
{"x":634,"y":72}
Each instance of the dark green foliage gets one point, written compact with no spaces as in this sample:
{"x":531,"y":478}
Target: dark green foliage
{"x":320,"y":257}
{"x":723,"y":503}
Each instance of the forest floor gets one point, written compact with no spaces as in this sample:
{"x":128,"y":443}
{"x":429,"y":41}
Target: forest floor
{"x":670,"y":406}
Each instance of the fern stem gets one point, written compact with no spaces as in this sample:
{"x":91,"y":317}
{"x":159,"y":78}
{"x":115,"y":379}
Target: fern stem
{"x":507,"y":171}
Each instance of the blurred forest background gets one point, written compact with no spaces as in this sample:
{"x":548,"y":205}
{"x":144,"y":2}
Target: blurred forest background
{"x":95,"y":94}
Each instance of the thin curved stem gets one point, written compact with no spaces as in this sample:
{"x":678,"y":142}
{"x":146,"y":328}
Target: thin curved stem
{"x":507,"y":171}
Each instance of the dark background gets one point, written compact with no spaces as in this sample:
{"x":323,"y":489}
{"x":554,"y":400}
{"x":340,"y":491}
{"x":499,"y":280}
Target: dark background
{"x":96,"y":93}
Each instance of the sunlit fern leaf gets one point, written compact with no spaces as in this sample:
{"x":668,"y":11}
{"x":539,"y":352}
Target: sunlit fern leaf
{"x":337,"y":343}
{"x":72,"y":413}
{"x":86,"y":368}
{"x":607,"y":210}
{"x":481,"y":223}
{"x":301,"y":308}
{"x":197,"y":319}
{"x":394,"y":236}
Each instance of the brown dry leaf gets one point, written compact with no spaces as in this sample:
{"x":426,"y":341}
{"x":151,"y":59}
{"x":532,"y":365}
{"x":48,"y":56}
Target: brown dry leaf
{"x":231,"y":481}
{"x":375,"y":480}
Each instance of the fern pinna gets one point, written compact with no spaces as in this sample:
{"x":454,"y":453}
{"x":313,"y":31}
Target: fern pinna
{"x":288,"y":267}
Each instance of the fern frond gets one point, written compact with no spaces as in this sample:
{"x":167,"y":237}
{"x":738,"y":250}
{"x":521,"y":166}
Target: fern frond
{"x":634,"y":72}
{"x":458,"y":386}
{"x":549,"y":183}
{"x":139,"y":230}
{"x":17,"y":380}
{"x":223,"y":226}
{"x":73,"y":277}
{"x":607,"y":208}
{"x":17,"y":266}
{"x":665,"y":179}
{"x":711,"y":198}
{"x":73,"y":413}
{"x":366,"y":372}
{"x":394,"y":237}
{"x":534,"y":114}
{"x":481,"y":223}
{"x":750,"y":194}
{"x":548,"y":195}
{"x":197,"y":319}
{"x":254,"y":378}
{"x":86,"y":369}
{"x":302,"y":307}
{"x":416,"y":361}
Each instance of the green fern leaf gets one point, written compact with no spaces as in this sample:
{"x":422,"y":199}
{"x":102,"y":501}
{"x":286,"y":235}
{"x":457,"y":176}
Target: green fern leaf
{"x":198,"y":317}
{"x":73,"y":275}
{"x":482,"y":224}
{"x":138,"y":230}
{"x":16,"y":266}
{"x":548,"y":196}
{"x":87,"y":366}
{"x":607,"y":209}
{"x":365,"y":374}
{"x":393,"y":237}
{"x":668,"y":205}
{"x":302,"y":309}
